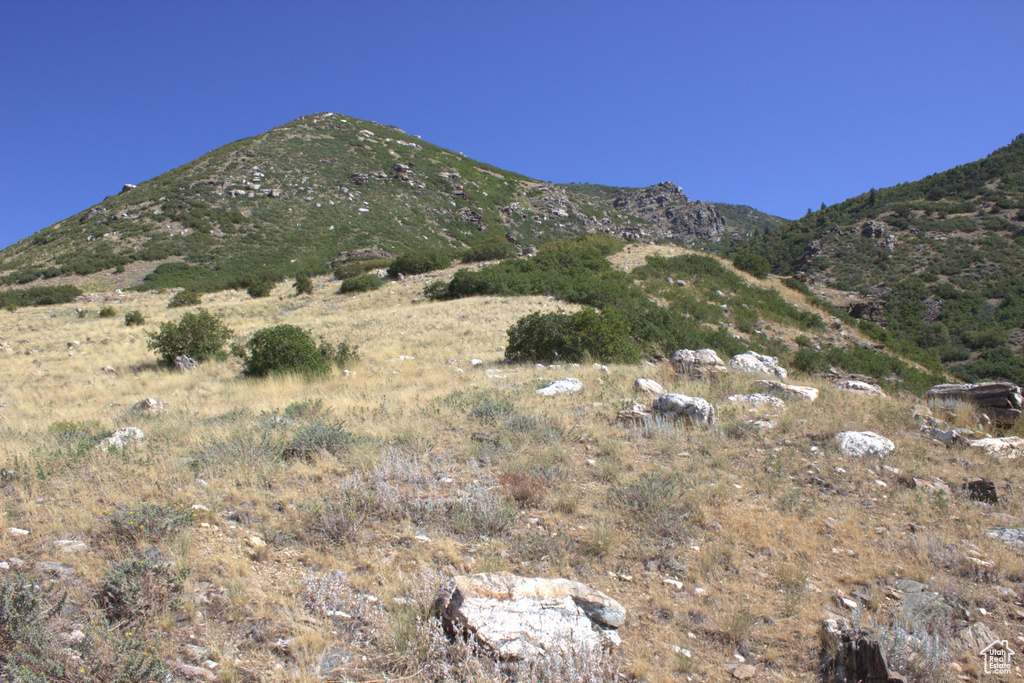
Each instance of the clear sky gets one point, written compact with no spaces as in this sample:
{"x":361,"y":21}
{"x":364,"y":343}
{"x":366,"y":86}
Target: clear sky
{"x":780,"y":105}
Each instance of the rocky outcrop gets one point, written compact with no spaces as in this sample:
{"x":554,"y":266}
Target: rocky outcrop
{"x":1000,"y":401}
{"x":702,"y":363}
{"x":672,"y":214}
{"x":751,"y":362}
{"x":809,"y":394}
{"x":527,"y":618}
{"x":852,"y":654}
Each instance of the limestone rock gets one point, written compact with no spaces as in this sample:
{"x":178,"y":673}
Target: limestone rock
{"x":671,"y":213}
{"x":859,"y":387}
{"x":949,"y":437}
{"x":702,"y":363}
{"x":751,"y":362}
{"x":1008,"y":535}
{"x":185,"y":364}
{"x":637,"y":416}
{"x":526,"y":618}
{"x":121,"y":438}
{"x":859,"y":444}
{"x":1009,"y":447}
{"x":644,"y":385}
{"x":809,"y":394}
{"x":680,"y":405}
{"x":568,"y":385}
{"x":1002,"y":402}
{"x":758,"y":400}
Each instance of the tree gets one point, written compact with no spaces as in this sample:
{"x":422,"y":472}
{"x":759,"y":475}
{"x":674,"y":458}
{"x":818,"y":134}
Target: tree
{"x":199,"y":335}
{"x":303,"y":284}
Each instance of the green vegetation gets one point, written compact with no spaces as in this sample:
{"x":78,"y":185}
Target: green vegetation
{"x":108,"y":312}
{"x":420,"y":261}
{"x":755,"y":264}
{"x":290,"y":349}
{"x":303,"y":284}
{"x":186,"y":297}
{"x":361,"y":283}
{"x":493,"y":249}
{"x":564,"y":338}
{"x":38,"y":296}
{"x":134,"y":318}
{"x":260,"y":288}
{"x":199,"y":335}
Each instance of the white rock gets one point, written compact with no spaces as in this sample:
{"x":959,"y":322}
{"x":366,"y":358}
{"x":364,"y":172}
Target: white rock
{"x":1009,"y":447}
{"x":648,"y":386}
{"x":704,"y":362}
{"x":859,"y":387}
{"x":758,"y":400}
{"x":689,"y":407}
{"x":756,"y":363}
{"x":568,"y":385}
{"x":121,"y":438}
{"x":14,"y":531}
{"x":475,"y":361}
{"x":809,"y":394}
{"x":859,"y":444}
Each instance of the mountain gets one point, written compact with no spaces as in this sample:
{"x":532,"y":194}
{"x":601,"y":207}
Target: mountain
{"x":302,"y":195}
{"x":938,"y":262}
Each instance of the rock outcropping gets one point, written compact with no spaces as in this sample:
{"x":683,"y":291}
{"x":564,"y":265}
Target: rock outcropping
{"x":672,"y":214}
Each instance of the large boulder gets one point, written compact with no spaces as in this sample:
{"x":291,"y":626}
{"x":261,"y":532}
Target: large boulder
{"x":1002,"y":402}
{"x":527,"y":618}
{"x":689,"y":407}
{"x":702,"y":363}
{"x":859,"y":444}
{"x":751,"y":362}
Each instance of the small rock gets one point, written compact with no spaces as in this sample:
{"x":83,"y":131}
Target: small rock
{"x":702,"y":363}
{"x":982,"y":490}
{"x":859,"y":387}
{"x":643,"y":385}
{"x":475,"y":362}
{"x":195,"y":673}
{"x":751,"y":362}
{"x":678,"y":585}
{"x":809,"y":394}
{"x":14,"y":531}
{"x":71,"y":546}
{"x":149,"y":405}
{"x":758,"y":400}
{"x":859,"y":444}
{"x":1009,"y":447}
{"x":688,"y":407}
{"x":743,"y":672}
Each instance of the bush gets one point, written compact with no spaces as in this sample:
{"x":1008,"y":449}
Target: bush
{"x":420,"y":261}
{"x":493,"y":249}
{"x":361,"y":283}
{"x":810,"y":361}
{"x":287,"y":348}
{"x":39,"y":296}
{"x":303,"y":284}
{"x":570,"y":338}
{"x":108,"y":312}
{"x":199,"y":335}
{"x":349,"y":269}
{"x":755,"y":264}
{"x":185,"y":297}
{"x":134,"y":318}
{"x":260,"y":289}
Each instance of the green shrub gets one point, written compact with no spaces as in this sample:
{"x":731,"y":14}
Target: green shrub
{"x":198,"y":335}
{"x":810,"y":361}
{"x":108,"y":312}
{"x":360,"y":283}
{"x":420,"y":261}
{"x":290,"y":349}
{"x":303,"y":284}
{"x":39,"y":296}
{"x":261,"y":288}
{"x":755,"y":264}
{"x":549,"y":337}
{"x":493,"y":249}
{"x":349,"y":269}
{"x":134,"y":318}
{"x":186,"y":297}
{"x":149,"y":522}
{"x":793,"y":283}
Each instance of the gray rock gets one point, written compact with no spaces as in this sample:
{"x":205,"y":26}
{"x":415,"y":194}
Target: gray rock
{"x":568,"y":385}
{"x":751,"y":362}
{"x":758,"y":400}
{"x":185,"y":364}
{"x":1008,"y":535}
{"x":1008,"y":447}
{"x":691,"y":408}
{"x":809,"y":394}
{"x":57,"y":569}
{"x":644,"y":385}
{"x":149,"y":405}
{"x":858,"y":387}
{"x":702,"y":363}
{"x":527,"y":618}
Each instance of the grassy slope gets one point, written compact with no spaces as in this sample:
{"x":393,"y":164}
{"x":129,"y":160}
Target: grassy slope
{"x":763,"y":522}
{"x":950,"y":273}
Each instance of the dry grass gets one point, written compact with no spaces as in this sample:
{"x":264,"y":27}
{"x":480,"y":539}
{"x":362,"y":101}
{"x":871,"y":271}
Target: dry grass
{"x":761,"y":527}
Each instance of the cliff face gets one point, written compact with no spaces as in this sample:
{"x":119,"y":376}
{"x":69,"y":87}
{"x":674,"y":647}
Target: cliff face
{"x":672,"y":214}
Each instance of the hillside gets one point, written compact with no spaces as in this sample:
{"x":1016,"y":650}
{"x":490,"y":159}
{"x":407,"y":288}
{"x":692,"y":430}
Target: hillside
{"x":281,"y":529}
{"x":300,"y":196}
{"x":939,"y":262}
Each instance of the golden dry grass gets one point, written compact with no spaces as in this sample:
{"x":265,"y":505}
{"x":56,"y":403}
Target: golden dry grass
{"x":761,"y":527}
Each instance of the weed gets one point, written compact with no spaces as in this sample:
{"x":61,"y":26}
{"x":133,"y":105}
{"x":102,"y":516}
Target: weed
{"x":656,"y":502}
{"x":134,"y":591}
{"x":134,"y":319}
{"x":149,"y":522}
{"x":108,"y":312}
{"x":319,"y":435}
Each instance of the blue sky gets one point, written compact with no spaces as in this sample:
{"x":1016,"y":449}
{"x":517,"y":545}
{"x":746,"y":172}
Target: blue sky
{"x":778,"y":105}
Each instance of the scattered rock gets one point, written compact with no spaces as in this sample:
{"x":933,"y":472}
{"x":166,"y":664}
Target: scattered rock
{"x":185,"y":364}
{"x":809,"y":394}
{"x":637,"y":416}
{"x":1008,"y":447}
{"x":935,"y":486}
{"x":859,"y":387}
{"x":1008,"y":535}
{"x":568,"y":385}
{"x":743,"y":672}
{"x":982,"y":490}
{"x":975,"y":638}
{"x":528,"y":618}
{"x":149,"y":405}
{"x":71,"y":546}
{"x":195,"y":673}
{"x":702,"y":363}
{"x":108,"y":369}
{"x":859,"y":444}
{"x":679,"y":405}
{"x":921,"y":605}
{"x":643,"y":385}
{"x":751,"y":362}
{"x":948,"y":437}
{"x":758,"y":400}
{"x":57,"y":569}
{"x":14,"y":531}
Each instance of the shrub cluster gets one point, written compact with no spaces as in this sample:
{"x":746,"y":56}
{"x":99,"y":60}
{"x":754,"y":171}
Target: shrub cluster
{"x":360,"y":283}
{"x":186,"y":297}
{"x":420,"y":261}
{"x":303,"y":284}
{"x":199,"y":335}
{"x":108,"y":312}
{"x":134,"y":318}
{"x":290,"y":349}
{"x":38,"y":296}
{"x":493,"y":249}
{"x":550,"y":337}
{"x":755,"y":264}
